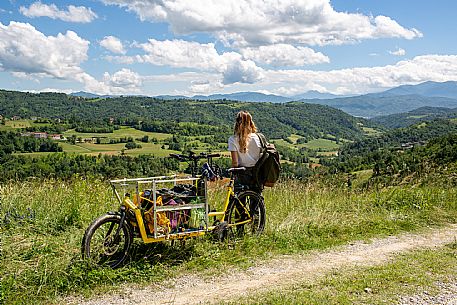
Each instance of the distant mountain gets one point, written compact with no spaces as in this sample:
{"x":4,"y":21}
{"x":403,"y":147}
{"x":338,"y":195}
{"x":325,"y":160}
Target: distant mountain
{"x":91,"y":95}
{"x":396,"y":100}
{"x":171,"y":97}
{"x":369,"y":105}
{"x":430,"y":89}
{"x":245,"y":97}
{"x":313,"y":94}
{"x":415,"y":116}
{"x":261,"y":97}
{"x":85,"y":94}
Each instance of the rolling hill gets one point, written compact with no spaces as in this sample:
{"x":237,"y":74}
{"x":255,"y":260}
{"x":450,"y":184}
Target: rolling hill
{"x":277,"y":120}
{"x":421,"y":114}
{"x":396,"y":100}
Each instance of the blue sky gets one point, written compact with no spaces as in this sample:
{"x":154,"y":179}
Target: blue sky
{"x":182,"y":47}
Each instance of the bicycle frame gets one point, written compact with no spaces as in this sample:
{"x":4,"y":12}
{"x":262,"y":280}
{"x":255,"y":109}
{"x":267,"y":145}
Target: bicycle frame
{"x":222,"y":214}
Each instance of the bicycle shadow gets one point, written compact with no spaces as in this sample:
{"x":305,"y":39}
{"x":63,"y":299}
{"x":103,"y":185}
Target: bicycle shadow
{"x":169,"y":253}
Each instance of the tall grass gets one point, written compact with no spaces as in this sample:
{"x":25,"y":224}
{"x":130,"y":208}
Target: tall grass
{"x":42,"y":223}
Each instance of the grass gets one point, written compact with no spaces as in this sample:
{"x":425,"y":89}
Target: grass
{"x":109,"y":149}
{"x":315,"y":144}
{"x":322,"y":144}
{"x":409,"y":274}
{"x":369,"y":131}
{"x":116,"y":149}
{"x":294,"y":138}
{"x":42,"y":223}
{"x":417,"y":116}
{"x":327,"y":153}
{"x":123,"y":132}
{"x":77,"y":148}
{"x":18,"y":124}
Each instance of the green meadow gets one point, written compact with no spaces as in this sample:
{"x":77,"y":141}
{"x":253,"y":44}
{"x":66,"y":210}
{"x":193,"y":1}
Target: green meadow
{"x":42,"y":224}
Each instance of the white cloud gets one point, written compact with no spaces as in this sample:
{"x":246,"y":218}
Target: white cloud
{"x":368,"y":79}
{"x":242,"y":71}
{"x":60,"y":90}
{"x":386,"y":27}
{"x":204,"y":87}
{"x":73,"y":14}
{"x":25,"y":76}
{"x":113,"y":44}
{"x":123,"y":81}
{"x":28,"y":53}
{"x":398,"y":52}
{"x":184,"y":54}
{"x":185,"y":77}
{"x":362,"y":80}
{"x":181,"y":53}
{"x":246,"y":23}
{"x":284,"y":55}
{"x":126,"y":60}
{"x":24,"y":49}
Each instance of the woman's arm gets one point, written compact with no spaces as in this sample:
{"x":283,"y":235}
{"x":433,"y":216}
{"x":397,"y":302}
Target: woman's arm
{"x":234,"y":155}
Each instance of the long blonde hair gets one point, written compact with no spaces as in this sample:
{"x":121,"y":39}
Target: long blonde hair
{"x":244,"y":125}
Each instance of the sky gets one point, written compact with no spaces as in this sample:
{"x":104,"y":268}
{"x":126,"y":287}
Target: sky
{"x":190,"y":47}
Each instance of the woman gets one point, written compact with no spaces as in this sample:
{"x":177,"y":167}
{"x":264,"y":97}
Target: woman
{"x":245,"y":147}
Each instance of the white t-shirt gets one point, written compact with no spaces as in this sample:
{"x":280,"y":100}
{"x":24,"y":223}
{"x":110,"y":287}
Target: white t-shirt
{"x":253,"y":150}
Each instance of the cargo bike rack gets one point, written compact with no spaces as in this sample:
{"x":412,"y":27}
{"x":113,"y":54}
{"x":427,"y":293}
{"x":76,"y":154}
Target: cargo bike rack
{"x":154,"y":183}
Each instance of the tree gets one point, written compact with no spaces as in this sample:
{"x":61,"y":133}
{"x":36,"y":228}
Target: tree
{"x":72,"y":139}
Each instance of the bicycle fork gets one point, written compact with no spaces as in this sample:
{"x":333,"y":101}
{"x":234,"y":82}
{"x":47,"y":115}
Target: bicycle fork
{"x":116,"y":238}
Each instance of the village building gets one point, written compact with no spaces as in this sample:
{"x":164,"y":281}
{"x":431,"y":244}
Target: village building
{"x":40,"y":135}
{"x":56,"y":137}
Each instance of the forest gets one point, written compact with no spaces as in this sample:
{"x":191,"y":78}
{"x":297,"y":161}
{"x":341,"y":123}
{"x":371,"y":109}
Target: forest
{"x":399,"y":152}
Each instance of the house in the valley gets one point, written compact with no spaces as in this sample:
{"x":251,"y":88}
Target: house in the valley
{"x":40,"y":135}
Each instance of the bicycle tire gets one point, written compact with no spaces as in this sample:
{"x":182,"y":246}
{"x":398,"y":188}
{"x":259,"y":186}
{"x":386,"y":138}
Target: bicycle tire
{"x":100,"y":245}
{"x":236,"y":213}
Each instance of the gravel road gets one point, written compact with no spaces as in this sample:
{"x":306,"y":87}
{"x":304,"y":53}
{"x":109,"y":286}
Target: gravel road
{"x":286,"y":270}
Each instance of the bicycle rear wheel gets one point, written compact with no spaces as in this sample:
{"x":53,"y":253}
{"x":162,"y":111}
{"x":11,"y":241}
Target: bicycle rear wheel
{"x":101,"y":245}
{"x":246,"y":214}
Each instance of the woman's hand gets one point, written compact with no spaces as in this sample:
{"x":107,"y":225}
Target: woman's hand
{"x":234,"y":156}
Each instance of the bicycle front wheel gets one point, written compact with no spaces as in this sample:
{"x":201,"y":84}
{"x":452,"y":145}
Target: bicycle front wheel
{"x":103,"y":244}
{"x":246,"y":214}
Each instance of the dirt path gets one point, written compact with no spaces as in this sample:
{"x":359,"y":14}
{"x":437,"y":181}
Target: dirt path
{"x":284,"y":270}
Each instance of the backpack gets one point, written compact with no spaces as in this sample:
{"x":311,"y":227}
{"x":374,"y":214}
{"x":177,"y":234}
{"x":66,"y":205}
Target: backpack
{"x":267,"y":168}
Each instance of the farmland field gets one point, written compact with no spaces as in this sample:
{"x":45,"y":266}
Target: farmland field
{"x":322,"y":144}
{"x":371,"y":131}
{"x":123,"y":132}
{"x":315,"y":144}
{"x":116,"y":149}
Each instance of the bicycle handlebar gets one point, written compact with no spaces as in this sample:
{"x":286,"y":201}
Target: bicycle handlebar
{"x":194,"y":157}
{"x":213,"y":155}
